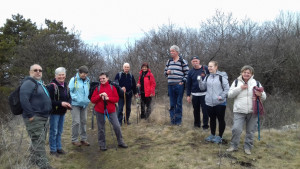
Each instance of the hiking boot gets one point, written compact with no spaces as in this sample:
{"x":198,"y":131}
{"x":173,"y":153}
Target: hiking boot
{"x":247,"y":151}
{"x":103,"y":148}
{"x":123,"y":145}
{"x":78,"y":144}
{"x":53,"y":153}
{"x":62,"y":152}
{"x":85,"y":143}
{"x":217,"y":140}
{"x":210,"y":138}
{"x":231,"y":149}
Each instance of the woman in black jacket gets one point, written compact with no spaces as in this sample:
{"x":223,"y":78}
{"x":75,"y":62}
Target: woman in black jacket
{"x":60,"y":97}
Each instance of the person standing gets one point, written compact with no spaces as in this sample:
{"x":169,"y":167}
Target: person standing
{"x":127,"y":82}
{"x":60,"y":97}
{"x":36,"y":104}
{"x":79,"y":91}
{"x":105,"y":97}
{"x":241,"y":91}
{"x":198,"y":96}
{"x":176,"y":71}
{"x":216,"y":86}
{"x":147,"y":84}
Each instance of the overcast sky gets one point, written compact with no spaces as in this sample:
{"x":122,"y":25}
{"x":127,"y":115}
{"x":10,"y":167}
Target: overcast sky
{"x":117,"y":21}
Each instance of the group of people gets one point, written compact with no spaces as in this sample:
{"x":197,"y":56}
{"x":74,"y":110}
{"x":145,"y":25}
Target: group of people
{"x":206,"y":87}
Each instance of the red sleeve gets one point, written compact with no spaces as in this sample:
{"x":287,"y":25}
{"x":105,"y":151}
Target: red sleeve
{"x":152,"y":84}
{"x":114,"y":98}
{"x":95,"y":97}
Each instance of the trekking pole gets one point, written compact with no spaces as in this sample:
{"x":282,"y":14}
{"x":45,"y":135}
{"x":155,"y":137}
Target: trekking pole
{"x":125,"y":108}
{"x":138,"y":100}
{"x":110,"y":123}
{"x":258,"y":127}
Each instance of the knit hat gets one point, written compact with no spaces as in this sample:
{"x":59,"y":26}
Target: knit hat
{"x":195,"y":57}
{"x":83,"y":69}
{"x":145,"y":64}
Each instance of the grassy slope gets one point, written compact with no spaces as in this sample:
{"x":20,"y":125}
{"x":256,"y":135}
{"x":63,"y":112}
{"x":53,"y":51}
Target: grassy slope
{"x":155,"y":144}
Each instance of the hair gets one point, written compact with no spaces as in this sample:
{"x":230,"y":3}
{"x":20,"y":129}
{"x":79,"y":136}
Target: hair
{"x":31,"y":67}
{"x":60,"y":70}
{"x":104,"y":73}
{"x":247,"y":67}
{"x":126,"y":64}
{"x":214,"y":62}
{"x":175,"y":47}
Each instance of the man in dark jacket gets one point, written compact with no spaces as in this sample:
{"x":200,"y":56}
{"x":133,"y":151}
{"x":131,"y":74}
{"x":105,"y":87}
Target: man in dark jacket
{"x":36,"y":104}
{"x":126,"y":81}
{"x":198,"y":99}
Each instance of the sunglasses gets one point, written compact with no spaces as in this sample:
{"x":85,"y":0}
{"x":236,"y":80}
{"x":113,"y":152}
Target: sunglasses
{"x":38,"y":70}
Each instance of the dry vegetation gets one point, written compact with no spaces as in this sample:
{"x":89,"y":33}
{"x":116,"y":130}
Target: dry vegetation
{"x":156,"y":144}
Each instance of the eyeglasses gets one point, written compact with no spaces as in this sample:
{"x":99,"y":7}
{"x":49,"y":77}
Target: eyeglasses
{"x":38,"y":70}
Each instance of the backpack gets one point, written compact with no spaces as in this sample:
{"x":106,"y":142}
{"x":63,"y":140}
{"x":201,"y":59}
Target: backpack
{"x":236,"y":82}
{"x":56,"y":91}
{"x":93,"y":86}
{"x":14,"y":99}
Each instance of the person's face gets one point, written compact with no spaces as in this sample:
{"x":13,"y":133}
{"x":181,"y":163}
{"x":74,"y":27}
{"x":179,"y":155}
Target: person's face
{"x":103,"y":79}
{"x":212,"y":68}
{"x":36,"y":72}
{"x":246,"y":74}
{"x":83,"y":75}
{"x":144,"y":68}
{"x":195,"y":63}
{"x":173,"y":53}
{"x":61,"y":77}
{"x":126,"y":68}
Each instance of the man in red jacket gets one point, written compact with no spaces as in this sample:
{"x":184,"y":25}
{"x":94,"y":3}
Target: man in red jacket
{"x":106,"y":94}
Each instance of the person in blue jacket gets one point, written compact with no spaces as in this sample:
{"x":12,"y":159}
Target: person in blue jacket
{"x":198,"y":96}
{"x":79,"y":91}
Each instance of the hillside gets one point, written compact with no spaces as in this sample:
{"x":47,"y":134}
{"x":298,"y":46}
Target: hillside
{"x":155,"y":144}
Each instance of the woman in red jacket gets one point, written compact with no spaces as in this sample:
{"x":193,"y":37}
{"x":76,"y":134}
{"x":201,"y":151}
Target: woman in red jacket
{"x":106,"y":94}
{"x":147,"y":85}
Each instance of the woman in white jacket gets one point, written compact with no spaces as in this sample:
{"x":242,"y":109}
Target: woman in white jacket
{"x":242,"y":92}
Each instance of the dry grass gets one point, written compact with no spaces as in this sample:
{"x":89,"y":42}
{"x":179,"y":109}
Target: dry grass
{"x":154,"y":144}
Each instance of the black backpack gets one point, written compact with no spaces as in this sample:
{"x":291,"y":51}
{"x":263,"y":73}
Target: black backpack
{"x":14,"y":99}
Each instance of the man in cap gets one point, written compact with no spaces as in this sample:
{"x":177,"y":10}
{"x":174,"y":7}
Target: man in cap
{"x":198,"y":96}
{"x":79,"y":91}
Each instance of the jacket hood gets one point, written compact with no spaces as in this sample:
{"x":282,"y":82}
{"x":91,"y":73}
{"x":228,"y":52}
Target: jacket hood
{"x":223,"y":74}
{"x":240,"y":78}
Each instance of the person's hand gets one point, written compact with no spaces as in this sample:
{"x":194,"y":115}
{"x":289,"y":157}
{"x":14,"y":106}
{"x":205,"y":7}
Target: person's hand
{"x":244,"y":86}
{"x":31,"y":118}
{"x":138,"y":85}
{"x":220,"y":98}
{"x":188,"y":99}
{"x":169,"y":72}
{"x":151,"y":95}
{"x":136,"y":95}
{"x":258,"y":93}
{"x":180,"y":83}
{"x":124,"y":89}
{"x":66,"y":104}
{"x":103,"y":94}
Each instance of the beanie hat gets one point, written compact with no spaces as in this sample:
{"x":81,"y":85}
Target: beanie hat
{"x":145,"y":64}
{"x":83,"y":69}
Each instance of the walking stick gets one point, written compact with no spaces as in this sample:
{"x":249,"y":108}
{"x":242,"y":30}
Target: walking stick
{"x":110,"y":123}
{"x":258,"y":127}
{"x":125,"y":108}
{"x":138,"y":101}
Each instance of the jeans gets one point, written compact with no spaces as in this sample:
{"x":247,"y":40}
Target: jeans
{"x":128,"y":108}
{"x":199,"y":101}
{"x":79,"y":117}
{"x":56,"y":129}
{"x":37,"y":131}
{"x":176,"y":94}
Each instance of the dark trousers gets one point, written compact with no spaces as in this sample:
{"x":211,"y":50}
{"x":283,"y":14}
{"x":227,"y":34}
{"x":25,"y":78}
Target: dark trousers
{"x":199,"y":101}
{"x":128,"y":108}
{"x":217,"y":112}
{"x":145,"y":101}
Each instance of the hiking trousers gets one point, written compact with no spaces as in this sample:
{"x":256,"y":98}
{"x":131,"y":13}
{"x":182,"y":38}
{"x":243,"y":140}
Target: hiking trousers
{"x":79,"y":117}
{"x":239,"y":120}
{"x":37,"y":131}
{"x":217,"y":112}
{"x":145,"y":102}
{"x":199,"y":101}
{"x":113,"y":119}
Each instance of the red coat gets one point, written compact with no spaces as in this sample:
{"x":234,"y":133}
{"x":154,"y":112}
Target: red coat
{"x":149,"y":83}
{"x":112,"y":95}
